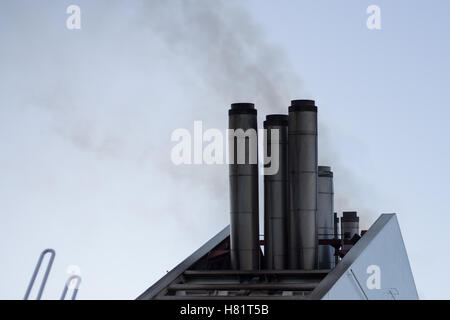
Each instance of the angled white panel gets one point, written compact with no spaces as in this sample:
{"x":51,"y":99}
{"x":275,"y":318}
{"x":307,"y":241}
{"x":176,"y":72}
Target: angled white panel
{"x":381,"y":247}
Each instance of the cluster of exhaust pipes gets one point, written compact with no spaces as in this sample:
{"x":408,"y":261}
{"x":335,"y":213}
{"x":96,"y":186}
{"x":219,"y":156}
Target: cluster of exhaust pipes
{"x":298,"y":199}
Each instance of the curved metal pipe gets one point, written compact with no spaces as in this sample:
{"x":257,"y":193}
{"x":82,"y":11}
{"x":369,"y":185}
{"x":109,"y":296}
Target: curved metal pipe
{"x":67,"y":284}
{"x":36,"y":270}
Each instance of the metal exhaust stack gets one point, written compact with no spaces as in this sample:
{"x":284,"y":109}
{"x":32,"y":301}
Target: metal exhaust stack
{"x":245,"y":249}
{"x":336,"y":235}
{"x":276,"y":194}
{"x":325,"y":217}
{"x":302,"y":184}
{"x":349,"y":226}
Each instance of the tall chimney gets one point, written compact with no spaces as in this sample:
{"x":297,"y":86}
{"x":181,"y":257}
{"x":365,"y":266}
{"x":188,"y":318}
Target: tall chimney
{"x":302,"y":184}
{"x":276,"y":193}
{"x":325,"y":216}
{"x":349,"y":226}
{"x":245,"y":249}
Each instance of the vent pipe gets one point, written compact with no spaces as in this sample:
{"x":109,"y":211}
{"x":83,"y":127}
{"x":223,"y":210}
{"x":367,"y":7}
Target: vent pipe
{"x":325,"y":217}
{"x":276,"y":192}
{"x":349,"y":226}
{"x":336,"y":226}
{"x":243,"y":157}
{"x":302,"y":184}
{"x":336,"y":236}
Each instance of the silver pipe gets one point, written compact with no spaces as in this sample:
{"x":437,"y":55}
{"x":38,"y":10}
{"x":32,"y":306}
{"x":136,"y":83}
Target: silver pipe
{"x":302,"y":185}
{"x":336,"y":236}
{"x":336,"y":224}
{"x":276,"y":193}
{"x":75,"y":277}
{"x":36,"y":270}
{"x":244,"y":206}
{"x":325,"y":217}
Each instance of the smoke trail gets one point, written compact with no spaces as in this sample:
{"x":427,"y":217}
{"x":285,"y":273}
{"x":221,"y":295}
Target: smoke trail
{"x":116,"y":89}
{"x":142,"y":69}
{"x":223,"y":44}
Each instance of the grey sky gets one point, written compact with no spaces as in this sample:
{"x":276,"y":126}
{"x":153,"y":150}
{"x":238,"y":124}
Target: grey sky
{"x":86,"y":117}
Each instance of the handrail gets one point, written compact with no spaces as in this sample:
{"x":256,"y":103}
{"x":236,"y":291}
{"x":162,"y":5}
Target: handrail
{"x":36,"y":270}
{"x":67,"y":284}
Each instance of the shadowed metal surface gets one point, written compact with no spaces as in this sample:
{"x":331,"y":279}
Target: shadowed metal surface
{"x":325,"y":216}
{"x":244,"y":211}
{"x":302,"y":243}
{"x":243,"y":284}
{"x":159,"y":286}
{"x":382,"y":246}
{"x":276,"y":195}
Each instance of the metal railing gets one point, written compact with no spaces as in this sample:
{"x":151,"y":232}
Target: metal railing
{"x":36,"y":270}
{"x":76,"y":278}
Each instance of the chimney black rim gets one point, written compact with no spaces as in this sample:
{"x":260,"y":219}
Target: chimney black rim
{"x":242,"y":108}
{"x":276,"y":120}
{"x":303,"y":105}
